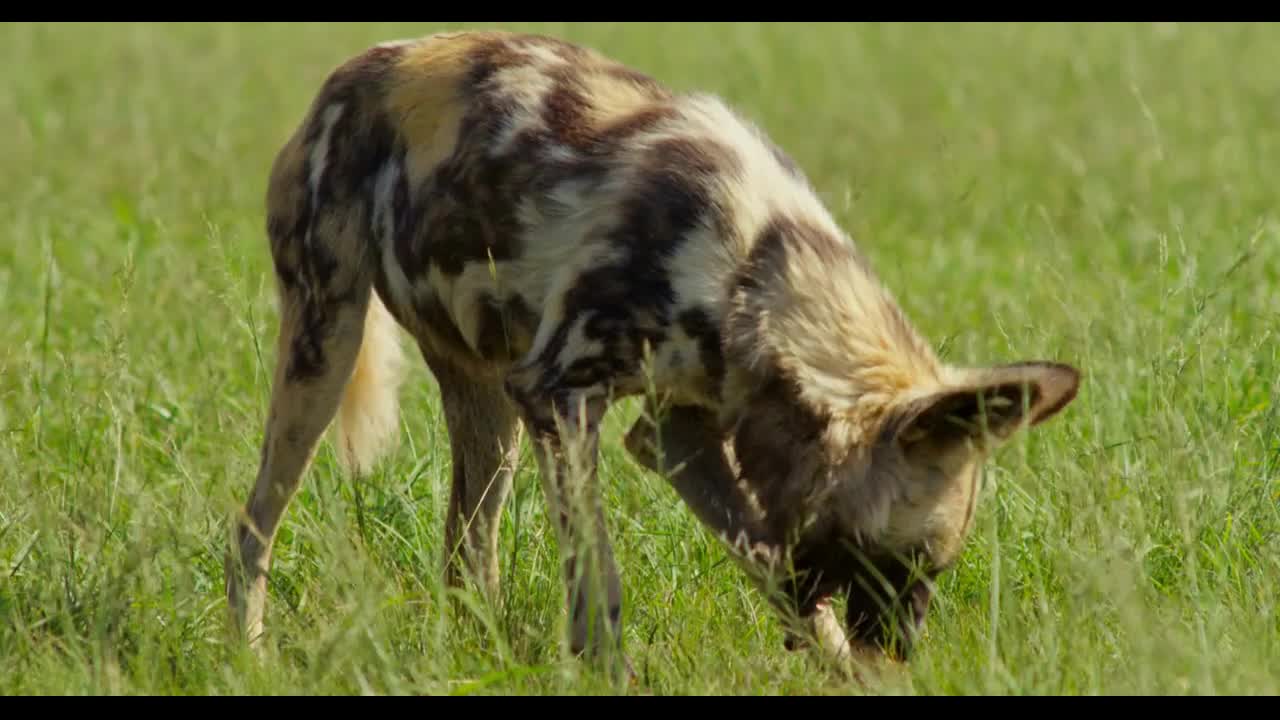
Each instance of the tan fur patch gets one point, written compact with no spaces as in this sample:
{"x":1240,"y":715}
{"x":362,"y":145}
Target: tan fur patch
{"x":611,"y":98}
{"x":423,"y":96}
{"x":819,"y":316}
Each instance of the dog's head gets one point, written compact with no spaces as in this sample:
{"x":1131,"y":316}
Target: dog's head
{"x":875,"y":509}
{"x":863,"y":449}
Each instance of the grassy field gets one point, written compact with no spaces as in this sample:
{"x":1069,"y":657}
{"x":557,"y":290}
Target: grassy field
{"x":1101,"y":195}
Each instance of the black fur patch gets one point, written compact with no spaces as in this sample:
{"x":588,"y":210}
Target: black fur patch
{"x":697,"y":324}
{"x":886,"y":607}
{"x":306,"y":360}
{"x":564,"y":112}
{"x":504,"y":329}
{"x":433,"y":314}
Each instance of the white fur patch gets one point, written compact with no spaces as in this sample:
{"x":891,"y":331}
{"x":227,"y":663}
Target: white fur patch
{"x":698,"y":270}
{"x":384,"y":225}
{"x":476,"y":280}
{"x":543,"y":55}
{"x":527,"y":86}
{"x":320,"y":151}
{"x":764,"y":188}
{"x":571,"y":266}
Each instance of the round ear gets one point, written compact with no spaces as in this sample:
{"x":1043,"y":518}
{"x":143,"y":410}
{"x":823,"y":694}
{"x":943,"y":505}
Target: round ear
{"x":991,"y":402}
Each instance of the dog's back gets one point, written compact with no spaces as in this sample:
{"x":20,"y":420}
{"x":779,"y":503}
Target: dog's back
{"x":516,"y":187}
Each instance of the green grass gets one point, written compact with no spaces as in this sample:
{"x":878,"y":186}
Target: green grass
{"x":1102,"y":195}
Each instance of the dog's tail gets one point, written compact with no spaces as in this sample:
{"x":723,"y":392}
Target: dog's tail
{"x":370,"y":410}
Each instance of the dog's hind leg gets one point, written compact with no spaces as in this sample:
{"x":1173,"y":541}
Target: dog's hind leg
{"x":484,"y":435}
{"x":337,"y":346}
{"x":320,"y":337}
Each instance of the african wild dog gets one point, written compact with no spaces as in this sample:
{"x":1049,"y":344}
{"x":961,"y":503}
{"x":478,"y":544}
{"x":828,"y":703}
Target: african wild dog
{"x":556,"y":231}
